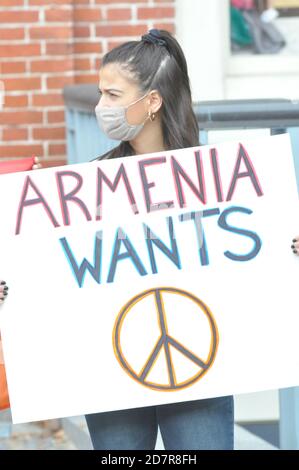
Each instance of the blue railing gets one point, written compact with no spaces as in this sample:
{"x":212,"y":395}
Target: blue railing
{"x":86,"y":141}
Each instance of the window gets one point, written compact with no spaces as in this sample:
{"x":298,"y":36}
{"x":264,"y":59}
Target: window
{"x":264,"y":27}
{"x":286,"y":7}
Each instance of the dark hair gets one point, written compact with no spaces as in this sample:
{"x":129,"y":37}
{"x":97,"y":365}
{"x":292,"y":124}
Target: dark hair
{"x":160,"y":64}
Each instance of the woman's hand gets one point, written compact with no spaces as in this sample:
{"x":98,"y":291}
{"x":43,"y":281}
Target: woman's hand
{"x":295,"y":245}
{"x":3,"y":291}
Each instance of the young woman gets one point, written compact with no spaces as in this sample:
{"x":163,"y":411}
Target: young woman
{"x":146,"y":104}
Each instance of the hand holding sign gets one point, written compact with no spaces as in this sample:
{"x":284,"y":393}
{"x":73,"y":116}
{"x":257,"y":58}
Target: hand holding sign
{"x":295,"y":245}
{"x":3,"y":291}
{"x":135,"y":342}
{"x":10,"y":167}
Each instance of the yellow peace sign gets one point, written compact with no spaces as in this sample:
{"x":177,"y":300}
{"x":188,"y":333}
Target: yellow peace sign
{"x":166,"y":342}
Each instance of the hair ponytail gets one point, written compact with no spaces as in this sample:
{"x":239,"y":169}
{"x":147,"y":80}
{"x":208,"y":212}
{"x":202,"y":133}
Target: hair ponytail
{"x":158,"y":62}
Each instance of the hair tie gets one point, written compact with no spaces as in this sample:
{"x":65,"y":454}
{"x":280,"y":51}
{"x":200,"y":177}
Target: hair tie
{"x":154,"y":37}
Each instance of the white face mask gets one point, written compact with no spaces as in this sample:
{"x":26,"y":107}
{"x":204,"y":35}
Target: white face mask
{"x":113,"y":121}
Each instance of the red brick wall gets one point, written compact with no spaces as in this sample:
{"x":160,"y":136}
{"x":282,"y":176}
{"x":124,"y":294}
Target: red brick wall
{"x":47,"y":44}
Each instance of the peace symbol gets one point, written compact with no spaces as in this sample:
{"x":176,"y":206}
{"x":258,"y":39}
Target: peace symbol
{"x":165,"y":341}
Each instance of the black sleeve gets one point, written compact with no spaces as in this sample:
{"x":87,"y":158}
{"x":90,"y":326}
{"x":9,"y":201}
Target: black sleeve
{"x":105,"y":156}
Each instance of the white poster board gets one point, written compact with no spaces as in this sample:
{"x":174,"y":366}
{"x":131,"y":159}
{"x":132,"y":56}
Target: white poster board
{"x":151,"y":279}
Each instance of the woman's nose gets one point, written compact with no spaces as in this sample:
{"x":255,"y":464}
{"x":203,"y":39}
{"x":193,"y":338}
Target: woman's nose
{"x":103,"y":101}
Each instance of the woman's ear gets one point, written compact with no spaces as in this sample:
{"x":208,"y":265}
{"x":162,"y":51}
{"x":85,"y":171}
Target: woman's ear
{"x":155,"y":101}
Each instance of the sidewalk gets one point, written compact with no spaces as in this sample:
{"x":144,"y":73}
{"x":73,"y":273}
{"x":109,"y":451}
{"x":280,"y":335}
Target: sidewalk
{"x":244,"y":440}
{"x":74,"y":435}
{"x":31,"y":436}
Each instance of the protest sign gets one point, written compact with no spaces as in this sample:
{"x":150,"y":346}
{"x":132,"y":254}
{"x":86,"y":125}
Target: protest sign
{"x":152,"y":279}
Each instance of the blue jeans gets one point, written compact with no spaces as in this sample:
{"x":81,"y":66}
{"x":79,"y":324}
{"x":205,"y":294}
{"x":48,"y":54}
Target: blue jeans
{"x":194,"y":425}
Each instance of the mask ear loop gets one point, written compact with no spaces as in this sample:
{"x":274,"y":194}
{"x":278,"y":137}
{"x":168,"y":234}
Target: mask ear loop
{"x":134,"y":102}
{"x":151,"y":116}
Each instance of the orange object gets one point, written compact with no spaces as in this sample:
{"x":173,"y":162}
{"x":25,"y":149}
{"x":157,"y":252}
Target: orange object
{"x":4,"y":399}
{"x":11,"y":166}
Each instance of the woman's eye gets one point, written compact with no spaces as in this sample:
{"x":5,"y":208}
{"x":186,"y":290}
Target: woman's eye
{"x":107,"y":93}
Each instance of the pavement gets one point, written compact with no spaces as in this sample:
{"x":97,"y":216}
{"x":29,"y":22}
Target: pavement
{"x":76,"y":429}
{"x":74,"y":435}
{"x":32,"y":436}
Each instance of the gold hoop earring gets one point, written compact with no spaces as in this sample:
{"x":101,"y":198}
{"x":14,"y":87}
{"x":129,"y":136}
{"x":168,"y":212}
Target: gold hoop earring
{"x":151,"y":115}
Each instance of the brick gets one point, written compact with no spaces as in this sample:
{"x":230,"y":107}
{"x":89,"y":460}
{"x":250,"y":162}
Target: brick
{"x":87,"y":47}
{"x":59,"y":82}
{"x":12,"y":33}
{"x":24,"y":50}
{"x":13,"y":84}
{"x":155,"y":13}
{"x":97,"y":64}
{"x":20,"y":117}
{"x":12,"y":67}
{"x":50,"y":2}
{"x":48,"y":99}
{"x":82,"y":64}
{"x":59,"y":49}
{"x":12,"y":3}
{"x":7,"y":151}
{"x":52,"y":163}
{"x":58,"y":15}
{"x":113,"y":44}
{"x":50,"y":32}
{"x":87,"y":14}
{"x":119,"y":1}
{"x":18,"y":16}
{"x":121,"y":30}
{"x":51,"y":65}
{"x":52,"y":133}
{"x":19,"y":101}
{"x":57,"y":149}
{"x":56,"y":117}
{"x":170,"y":27}
{"x":81,"y":31}
{"x":15,"y":134}
{"x":119,"y":14}
{"x":90,"y":78}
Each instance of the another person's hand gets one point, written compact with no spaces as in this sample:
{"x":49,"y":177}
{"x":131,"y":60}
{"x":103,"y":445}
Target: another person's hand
{"x":3,"y":287}
{"x":3,"y":291}
{"x":37,"y":164}
{"x":295,"y":245}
